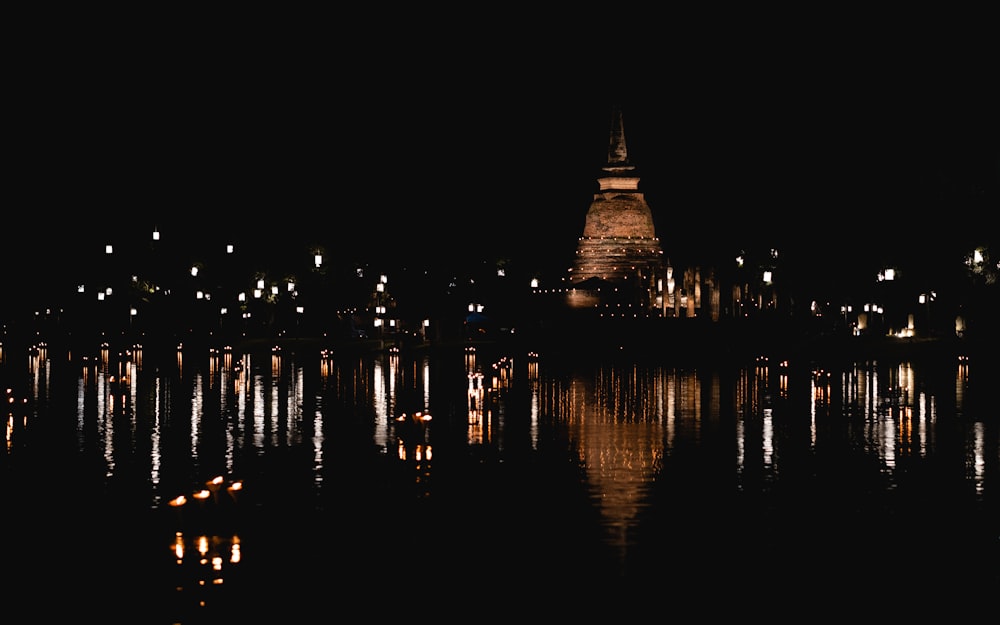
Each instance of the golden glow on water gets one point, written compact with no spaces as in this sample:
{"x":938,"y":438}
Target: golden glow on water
{"x":383,"y":385}
{"x":197,"y":414}
{"x":627,"y":423}
{"x":623,"y":422}
{"x":476,"y":403}
{"x":961,"y":380}
{"x":178,"y":546}
{"x":977,"y":464}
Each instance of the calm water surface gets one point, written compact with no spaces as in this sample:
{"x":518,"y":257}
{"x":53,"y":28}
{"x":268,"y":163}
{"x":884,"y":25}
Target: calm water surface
{"x":564,"y":485}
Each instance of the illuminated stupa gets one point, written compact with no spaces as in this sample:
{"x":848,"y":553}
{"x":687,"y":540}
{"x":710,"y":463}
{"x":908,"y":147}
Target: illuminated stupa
{"x":618,"y":259}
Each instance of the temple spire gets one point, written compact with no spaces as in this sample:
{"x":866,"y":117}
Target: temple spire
{"x":619,"y":174}
{"x":617,"y":152}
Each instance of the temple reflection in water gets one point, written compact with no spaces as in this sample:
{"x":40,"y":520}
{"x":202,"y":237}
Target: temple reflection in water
{"x":651,"y":441}
{"x":623,"y":418}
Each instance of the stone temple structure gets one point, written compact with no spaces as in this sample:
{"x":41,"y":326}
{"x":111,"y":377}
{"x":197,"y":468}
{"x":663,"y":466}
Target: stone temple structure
{"x":619,"y":261}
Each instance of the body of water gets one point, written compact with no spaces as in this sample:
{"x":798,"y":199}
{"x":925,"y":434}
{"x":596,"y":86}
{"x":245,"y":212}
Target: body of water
{"x":468,"y":481}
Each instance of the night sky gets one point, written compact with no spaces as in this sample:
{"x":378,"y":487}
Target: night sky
{"x":836,"y":155}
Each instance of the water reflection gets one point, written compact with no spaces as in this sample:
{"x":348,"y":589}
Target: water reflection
{"x":622,"y":421}
{"x":654,"y":442}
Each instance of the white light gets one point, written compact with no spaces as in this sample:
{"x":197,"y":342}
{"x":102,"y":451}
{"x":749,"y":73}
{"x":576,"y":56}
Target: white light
{"x":194,"y":270}
{"x":318,"y":258}
{"x":107,"y":249}
{"x":156,"y":235}
{"x":230,"y":248}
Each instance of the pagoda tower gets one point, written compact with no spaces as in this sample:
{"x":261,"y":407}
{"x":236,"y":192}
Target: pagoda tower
{"x":619,"y":260}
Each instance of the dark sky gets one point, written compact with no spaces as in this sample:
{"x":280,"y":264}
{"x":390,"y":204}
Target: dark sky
{"x":826,"y":149}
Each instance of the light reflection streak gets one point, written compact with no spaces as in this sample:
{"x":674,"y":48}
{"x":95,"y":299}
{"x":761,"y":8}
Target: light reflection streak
{"x":961,"y":380}
{"x":426,"y":371}
{"x":977,"y":458}
{"x":296,"y":400}
{"x":476,"y":401}
{"x":768,"y":440}
{"x":273,"y":391}
{"x":105,"y":418}
{"x":256,"y":392}
{"x":316,"y":425}
{"x":317,"y":443}
{"x":925,"y":418}
{"x":132,"y":368}
{"x":886,"y":429}
{"x":197,"y":413}
{"x":81,"y":414}
{"x":155,"y":434}
{"x":224,"y":374}
{"x":754,"y":420}
{"x":382,"y":397}
{"x":241,"y":390}
{"x":624,"y":421}
{"x":534,"y":410}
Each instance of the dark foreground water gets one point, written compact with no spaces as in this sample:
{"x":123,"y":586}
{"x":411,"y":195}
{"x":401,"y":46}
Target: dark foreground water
{"x":541,"y":487}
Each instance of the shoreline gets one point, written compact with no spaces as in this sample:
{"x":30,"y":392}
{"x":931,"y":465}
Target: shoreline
{"x":682,"y":343}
